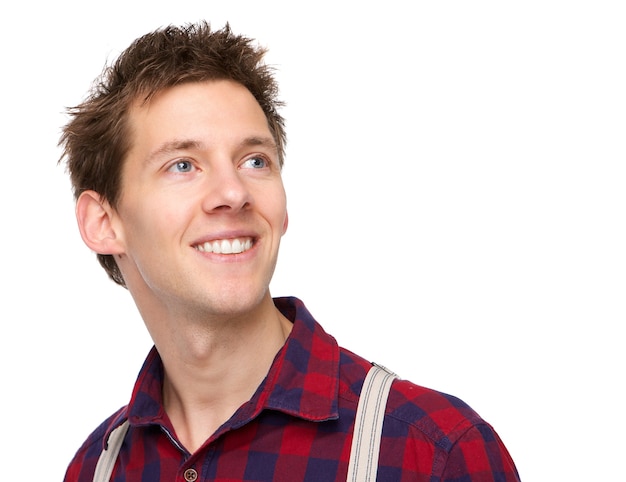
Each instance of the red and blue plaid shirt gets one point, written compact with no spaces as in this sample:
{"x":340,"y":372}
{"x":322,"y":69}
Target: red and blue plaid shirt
{"x":298,"y":426}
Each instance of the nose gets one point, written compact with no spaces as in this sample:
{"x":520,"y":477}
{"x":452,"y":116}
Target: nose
{"x":226,"y":190}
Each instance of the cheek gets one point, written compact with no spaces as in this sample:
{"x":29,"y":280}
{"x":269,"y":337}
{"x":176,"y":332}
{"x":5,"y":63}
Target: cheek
{"x":146,"y":222}
{"x":280,"y":210}
{"x":285,"y":222}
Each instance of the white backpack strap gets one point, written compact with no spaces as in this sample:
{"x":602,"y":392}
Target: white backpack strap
{"x":368,"y":425}
{"x":108,"y":456}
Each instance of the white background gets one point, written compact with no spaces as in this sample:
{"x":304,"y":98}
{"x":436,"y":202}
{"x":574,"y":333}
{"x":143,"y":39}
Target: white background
{"x":455,"y":173}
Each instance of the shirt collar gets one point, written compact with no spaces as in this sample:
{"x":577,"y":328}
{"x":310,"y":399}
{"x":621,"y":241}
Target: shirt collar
{"x":302,"y":381}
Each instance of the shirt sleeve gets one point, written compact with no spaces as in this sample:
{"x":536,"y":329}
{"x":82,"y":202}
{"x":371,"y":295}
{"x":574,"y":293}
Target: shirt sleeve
{"x":480,"y":456}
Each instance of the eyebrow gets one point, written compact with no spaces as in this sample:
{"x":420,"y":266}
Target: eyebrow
{"x":177,"y":145}
{"x":173,"y":146}
{"x":252,"y":141}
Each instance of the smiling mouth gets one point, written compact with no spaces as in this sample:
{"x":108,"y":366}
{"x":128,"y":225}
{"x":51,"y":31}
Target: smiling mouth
{"x":225,"y":246}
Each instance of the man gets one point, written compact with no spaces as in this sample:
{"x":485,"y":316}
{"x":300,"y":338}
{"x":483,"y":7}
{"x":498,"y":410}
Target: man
{"x":175,"y":160}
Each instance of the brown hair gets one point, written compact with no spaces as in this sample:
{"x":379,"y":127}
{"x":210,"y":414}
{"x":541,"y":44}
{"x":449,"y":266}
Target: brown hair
{"x":96,"y":139}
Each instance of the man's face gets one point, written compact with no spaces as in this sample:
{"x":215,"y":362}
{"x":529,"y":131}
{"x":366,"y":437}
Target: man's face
{"x":203,"y":207}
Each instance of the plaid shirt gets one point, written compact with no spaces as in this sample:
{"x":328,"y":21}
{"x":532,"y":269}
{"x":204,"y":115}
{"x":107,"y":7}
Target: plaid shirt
{"x":298,"y":426}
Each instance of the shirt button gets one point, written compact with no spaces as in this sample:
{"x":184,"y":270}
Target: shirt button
{"x":190,"y":475}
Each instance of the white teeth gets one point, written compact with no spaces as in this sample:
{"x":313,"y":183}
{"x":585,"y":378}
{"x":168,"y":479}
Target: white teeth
{"x":226,"y":246}
{"x":235,"y":247}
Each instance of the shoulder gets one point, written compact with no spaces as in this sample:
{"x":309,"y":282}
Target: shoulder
{"x":439,"y":417}
{"x":429,"y":432}
{"x":463,"y":445}
{"x":82,"y":465}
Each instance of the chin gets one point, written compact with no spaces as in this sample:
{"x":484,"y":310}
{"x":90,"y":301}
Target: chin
{"x":239,"y":302}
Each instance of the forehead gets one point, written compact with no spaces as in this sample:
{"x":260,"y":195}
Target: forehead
{"x":203,"y":117}
{"x":206,"y":109}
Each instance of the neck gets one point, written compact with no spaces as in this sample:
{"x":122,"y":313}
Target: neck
{"x":212,"y":368}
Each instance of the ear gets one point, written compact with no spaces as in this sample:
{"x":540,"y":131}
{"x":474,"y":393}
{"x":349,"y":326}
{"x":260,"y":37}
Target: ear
{"x":96,"y":224}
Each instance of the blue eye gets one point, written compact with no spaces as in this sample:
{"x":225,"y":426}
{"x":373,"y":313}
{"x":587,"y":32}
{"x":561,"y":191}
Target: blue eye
{"x":255,"y":163}
{"x":181,"y":166}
